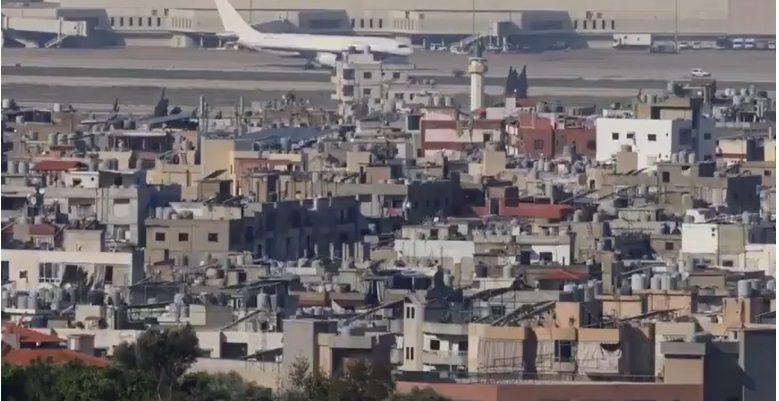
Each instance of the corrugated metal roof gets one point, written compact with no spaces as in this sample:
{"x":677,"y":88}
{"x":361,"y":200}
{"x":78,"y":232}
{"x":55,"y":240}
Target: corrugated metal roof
{"x":57,"y":165}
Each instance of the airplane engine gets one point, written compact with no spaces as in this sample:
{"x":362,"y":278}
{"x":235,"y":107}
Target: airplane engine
{"x":326,"y":59}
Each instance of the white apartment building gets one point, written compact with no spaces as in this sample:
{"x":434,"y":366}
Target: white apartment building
{"x":654,"y":140}
{"x":732,"y":246}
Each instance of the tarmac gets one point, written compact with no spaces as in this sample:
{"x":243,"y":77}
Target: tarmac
{"x":135,"y":75}
{"x":596,"y":65}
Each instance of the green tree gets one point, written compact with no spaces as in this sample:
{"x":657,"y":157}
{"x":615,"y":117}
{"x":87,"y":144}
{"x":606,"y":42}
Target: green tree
{"x":361,"y":380}
{"x":166,"y":355}
{"x":202,"y":386}
{"x":14,"y":383}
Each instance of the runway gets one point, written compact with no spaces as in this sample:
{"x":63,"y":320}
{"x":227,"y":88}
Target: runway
{"x":135,"y":75}
{"x":726,"y":66}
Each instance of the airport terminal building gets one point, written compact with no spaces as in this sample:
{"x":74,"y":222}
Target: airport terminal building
{"x":191,"y":23}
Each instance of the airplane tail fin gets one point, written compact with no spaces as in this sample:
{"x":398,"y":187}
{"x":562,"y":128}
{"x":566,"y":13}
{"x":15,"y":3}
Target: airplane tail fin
{"x":231,"y":19}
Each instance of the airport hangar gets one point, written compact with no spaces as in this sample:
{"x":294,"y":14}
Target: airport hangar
{"x":193,"y":23}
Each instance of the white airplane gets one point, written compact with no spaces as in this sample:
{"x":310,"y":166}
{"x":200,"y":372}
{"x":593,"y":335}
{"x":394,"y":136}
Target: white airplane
{"x":323,"y":50}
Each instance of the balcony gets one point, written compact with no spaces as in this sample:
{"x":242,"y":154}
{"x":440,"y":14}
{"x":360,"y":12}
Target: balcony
{"x":448,"y":358}
{"x":451,"y":329}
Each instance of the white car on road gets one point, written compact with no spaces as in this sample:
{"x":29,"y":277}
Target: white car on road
{"x":699,"y":73}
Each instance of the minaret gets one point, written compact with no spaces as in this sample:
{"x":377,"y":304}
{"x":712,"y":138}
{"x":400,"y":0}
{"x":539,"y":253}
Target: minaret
{"x":477,"y":67}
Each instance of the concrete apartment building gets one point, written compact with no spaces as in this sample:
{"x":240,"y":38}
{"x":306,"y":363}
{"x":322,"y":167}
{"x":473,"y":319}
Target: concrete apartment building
{"x":287,"y":230}
{"x":32,"y":269}
{"x":660,"y":129}
{"x":738,"y":246}
{"x":381,"y":193}
{"x":678,"y":186}
{"x":117,"y":199}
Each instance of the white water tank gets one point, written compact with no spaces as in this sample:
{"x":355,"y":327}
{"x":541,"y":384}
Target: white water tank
{"x":636,"y":282}
{"x":744,"y":289}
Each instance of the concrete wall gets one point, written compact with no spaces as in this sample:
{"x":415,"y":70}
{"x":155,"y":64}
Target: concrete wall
{"x":694,"y":16}
{"x":24,"y":265}
{"x":757,"y":357}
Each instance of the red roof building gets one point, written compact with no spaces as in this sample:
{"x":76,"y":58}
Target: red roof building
{"x":30,"y":338}
{"x":58,"y":165}
{"x":56,"y":356}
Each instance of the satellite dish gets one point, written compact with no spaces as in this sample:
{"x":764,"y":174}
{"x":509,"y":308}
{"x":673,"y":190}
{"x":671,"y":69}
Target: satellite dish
{"x":32,"y":200}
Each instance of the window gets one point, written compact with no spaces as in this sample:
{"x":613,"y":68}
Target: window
{"x":615,"y":136}
{"x":183,"y":237}
{"x":140,"y":21}
{"x":462,"y":345}
{"x":398,"y":96}
{"x":603,"y":24}
{"x":159,"y":21}
{"x":395,"y":75}
{"x":112,"y":21}
{"x":130,"y":21}
{"x":545,"y":256}
{"x":370,"y":23}
{"x":631,"y":135}
{"x":538,"y":144}
{"x":121,"y":21}
{"x":352,"y":22}
{"x":727,"y":263}
{"x":435,"y":345}
{"x":564,"y":351}
{"x":48,"y":272}
{"x":109,"y":275}
{"x":6,"y":271}
{"x":666,"y":176}
{"x":367,"y":75}
{"x":149,"y":22}
{"x":381,"y":23}
{"x":766,"y":173}
{"x":613,"y":25}
{"x":213,"y":237}
{"x":591,"y":145}
{"x":366,"y":92}
{"x":651,"y":138}
{"x":362,"y":23}
{"x":584,"y":24}
{"x":159,"y":237}
{"x":410,"y":353}
{"x":669,"y":246}
{"x":576,"y":24}
{"x":706,"y":136}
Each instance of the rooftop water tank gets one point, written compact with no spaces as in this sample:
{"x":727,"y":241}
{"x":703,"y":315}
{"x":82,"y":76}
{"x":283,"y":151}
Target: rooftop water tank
{"x":655,"y":283}
{"x":665,"y":282}
{"x":508,"y":271}
{"x":636,"y":283}
{"x":743,"y":289}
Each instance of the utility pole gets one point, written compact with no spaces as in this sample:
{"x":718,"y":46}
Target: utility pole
{"x":676,"y":25}
{"x":473,"y":17}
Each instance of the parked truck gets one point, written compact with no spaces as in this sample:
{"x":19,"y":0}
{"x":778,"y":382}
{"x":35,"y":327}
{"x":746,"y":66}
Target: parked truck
{"x":639,"y":41}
